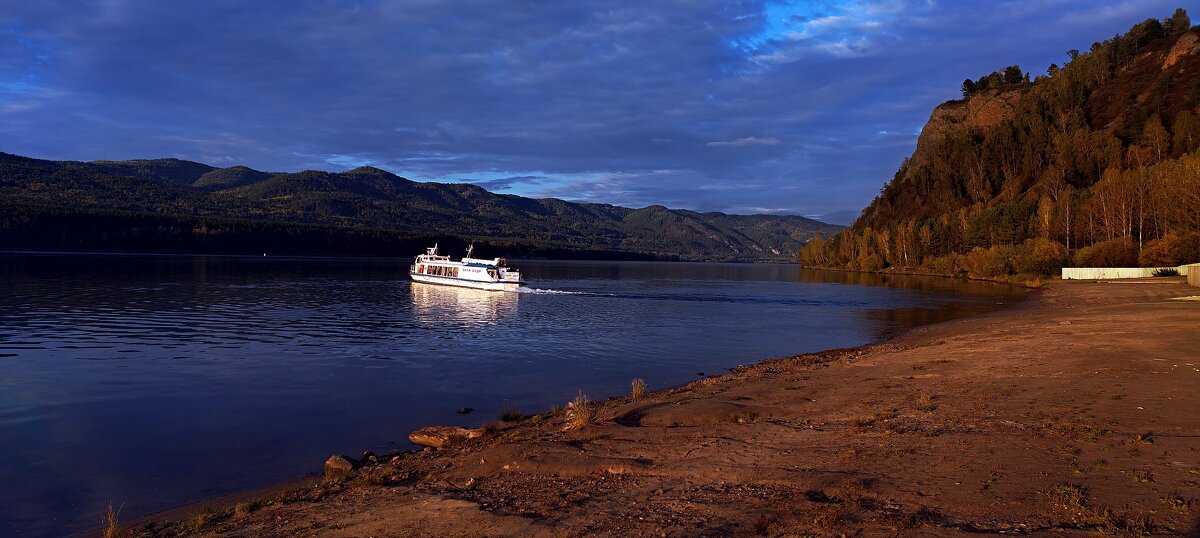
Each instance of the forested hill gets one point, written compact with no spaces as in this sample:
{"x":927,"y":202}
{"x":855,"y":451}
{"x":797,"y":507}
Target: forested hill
{"x":1093,"y":163}
{"x":170,"y":204}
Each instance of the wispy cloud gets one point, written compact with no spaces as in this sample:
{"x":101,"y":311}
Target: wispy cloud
{"x":746,"y":141}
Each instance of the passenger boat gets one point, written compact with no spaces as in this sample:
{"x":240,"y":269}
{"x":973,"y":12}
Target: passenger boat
{"x":493,"y":274}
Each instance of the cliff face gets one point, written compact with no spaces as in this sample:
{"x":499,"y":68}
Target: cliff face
{"x":980,"y":111}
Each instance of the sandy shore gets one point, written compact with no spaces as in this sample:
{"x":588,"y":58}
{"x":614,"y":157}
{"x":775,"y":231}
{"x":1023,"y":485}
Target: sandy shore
{"x":1075,"y":412}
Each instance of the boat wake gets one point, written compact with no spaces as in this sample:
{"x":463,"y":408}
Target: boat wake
{"x":539,"y":291}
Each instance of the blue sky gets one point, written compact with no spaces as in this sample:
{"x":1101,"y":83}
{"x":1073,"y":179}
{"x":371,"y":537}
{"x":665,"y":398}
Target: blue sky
{"x":801,"y":107}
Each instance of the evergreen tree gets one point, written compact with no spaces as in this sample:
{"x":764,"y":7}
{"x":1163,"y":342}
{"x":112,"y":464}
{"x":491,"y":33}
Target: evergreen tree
{"x":968,"y":88}
{"x":1013,"y":74}
{"x":1178,"y":23}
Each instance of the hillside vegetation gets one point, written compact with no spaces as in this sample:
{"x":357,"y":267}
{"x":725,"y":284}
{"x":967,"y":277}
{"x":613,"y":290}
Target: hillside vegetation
{"x":170,"y":204}
{"x":1094,"y":163}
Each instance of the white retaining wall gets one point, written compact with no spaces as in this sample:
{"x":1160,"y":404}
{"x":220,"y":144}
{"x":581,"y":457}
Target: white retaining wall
{"x":1096,"y":273}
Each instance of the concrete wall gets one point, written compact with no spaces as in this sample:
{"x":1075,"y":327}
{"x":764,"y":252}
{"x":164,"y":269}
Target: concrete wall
{"x":1193,"y":273}
{"x":1096,"y":273}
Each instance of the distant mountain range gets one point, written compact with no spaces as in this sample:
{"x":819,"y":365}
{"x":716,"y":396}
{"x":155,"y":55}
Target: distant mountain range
{"x":172,"y":204}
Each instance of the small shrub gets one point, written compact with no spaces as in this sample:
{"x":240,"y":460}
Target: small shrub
{"x":112,"y":526}
{"x":637,"y":389}
{"x":1176,"y":502}
{"x":1172,"y":249}
{"x":1069,"y":496}
{"x":870,"y":262}
{"x":199,"y":520}
{"x":1166,"y":271}
{"x":1143,"y":438}
{"x":989,"y":263}
{"x":580,"y":412}
{"x":511,"y":414}
{"x":1041,"y":257}
{"x":950,"y":264}
{"x":1120,"y":252}
{"x":246,"y":508}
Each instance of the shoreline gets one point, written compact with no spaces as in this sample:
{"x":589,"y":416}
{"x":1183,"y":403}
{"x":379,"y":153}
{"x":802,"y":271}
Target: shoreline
{"x":847,"y":446}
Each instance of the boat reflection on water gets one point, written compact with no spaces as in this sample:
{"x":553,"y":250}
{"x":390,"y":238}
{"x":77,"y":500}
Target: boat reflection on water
{"x":461,"y":307}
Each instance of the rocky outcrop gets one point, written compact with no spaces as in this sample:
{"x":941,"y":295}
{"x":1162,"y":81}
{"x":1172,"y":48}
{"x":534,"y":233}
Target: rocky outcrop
{"x":442,"y":436}
{"x":982,"y":110}
{"x":338,"y":467}
{"x":688,"y":413}
{"x":1188,"y":44}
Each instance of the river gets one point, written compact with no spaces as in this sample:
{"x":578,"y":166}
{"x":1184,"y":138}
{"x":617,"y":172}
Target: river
{"x":154,"y":381}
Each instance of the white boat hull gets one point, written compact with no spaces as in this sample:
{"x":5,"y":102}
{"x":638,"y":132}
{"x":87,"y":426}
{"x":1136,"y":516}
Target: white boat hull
{"x":490,"y":285}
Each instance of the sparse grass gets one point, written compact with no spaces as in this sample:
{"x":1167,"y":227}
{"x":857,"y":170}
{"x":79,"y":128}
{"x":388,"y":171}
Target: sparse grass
{"x":249,"y":507}
{"x":199,"y":520}
{"x":1143,"y":438}
{"x":1176,"y":502}
{"x":862,"y":424}
{"x":637,"y":388}
{"x":1126,"y":524}
{"x":1069,"y":452}
{"x":853,"y":489}
{"x":112,"y":527}
{"x":827,"y":517}
{"x":901,"y":522}
{"x":1069,"y":496}
{"x":580,"y":412}
{"x":925,"y":402}
{"x":511,"y":414}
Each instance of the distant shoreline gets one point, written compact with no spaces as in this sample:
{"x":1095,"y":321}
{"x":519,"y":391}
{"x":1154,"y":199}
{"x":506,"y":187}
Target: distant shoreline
{"x":44,"y":252}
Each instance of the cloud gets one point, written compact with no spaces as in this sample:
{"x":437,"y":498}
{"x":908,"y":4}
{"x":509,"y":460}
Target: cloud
{"x":602,"y":101}
{"x":747,"y":141}
{"x":506,"y":183}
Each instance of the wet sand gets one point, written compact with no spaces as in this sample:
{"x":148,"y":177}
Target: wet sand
{"x":1076,"y":412}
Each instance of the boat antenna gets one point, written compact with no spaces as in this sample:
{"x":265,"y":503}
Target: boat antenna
{"x":470,"y":249}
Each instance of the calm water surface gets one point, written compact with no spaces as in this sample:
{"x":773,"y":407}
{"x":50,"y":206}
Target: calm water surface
{"x":153,"y":381}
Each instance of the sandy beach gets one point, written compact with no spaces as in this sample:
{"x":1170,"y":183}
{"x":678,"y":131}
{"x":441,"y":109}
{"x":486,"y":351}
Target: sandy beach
{"x":1075,"y":412}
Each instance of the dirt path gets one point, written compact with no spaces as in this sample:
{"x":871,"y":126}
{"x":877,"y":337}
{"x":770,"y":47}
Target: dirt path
{"x":1076,"y":412}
